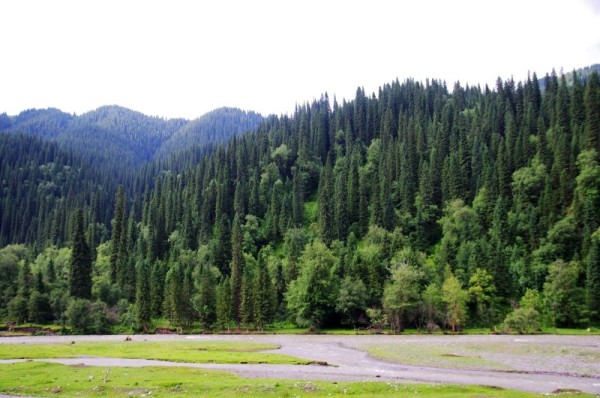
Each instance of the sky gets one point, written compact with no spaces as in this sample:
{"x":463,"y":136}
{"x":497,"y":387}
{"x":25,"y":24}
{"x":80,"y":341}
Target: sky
{"x":181,"y":58}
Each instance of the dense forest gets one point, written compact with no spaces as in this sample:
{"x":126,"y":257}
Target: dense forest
{"x":416,"y":206}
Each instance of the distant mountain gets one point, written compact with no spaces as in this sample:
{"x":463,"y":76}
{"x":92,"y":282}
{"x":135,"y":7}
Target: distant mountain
{"x":214,"y":127}
{"x":113,"y":132}
{"x":122,"y":137}
{"x":44,"y":123}
{"x":582,"y":74}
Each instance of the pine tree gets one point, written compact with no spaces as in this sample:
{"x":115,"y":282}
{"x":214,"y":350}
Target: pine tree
{"x":593,"y":277}
{"x":118,"y":231}
{"x":224,"y":305}
{"x":326,"y":204}
{"x":143,"y":302}
{"x":237,"y":271}
{"x":157,"y":286}
{"x":80,"y":280}
{"x":263,"y":295}
{"x":592,"y":111}
{"x":247,"y":298}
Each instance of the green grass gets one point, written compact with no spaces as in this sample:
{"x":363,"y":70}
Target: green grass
{"x":47,"y":379}
{"x":180,"y":351}
{"x":592,"y":331}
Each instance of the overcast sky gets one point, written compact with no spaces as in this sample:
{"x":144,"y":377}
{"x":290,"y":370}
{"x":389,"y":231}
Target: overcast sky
{"x":184,"y":58}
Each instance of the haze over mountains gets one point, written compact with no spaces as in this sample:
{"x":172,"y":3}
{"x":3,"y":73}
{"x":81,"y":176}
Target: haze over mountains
{"x":131,"y":136}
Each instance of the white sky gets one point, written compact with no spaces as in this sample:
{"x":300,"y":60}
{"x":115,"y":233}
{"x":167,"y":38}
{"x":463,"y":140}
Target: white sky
{"x":184,"y":58}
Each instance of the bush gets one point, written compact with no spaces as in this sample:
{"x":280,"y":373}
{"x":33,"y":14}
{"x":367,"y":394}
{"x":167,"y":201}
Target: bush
{"x":59,"y":301}
{"x":522,"y":320}
{"x":78,"y":315}
{"x":18,"y":309}
{"x":83,"y":316}
{"x":100,"y":323}
{"x":39,"y":308}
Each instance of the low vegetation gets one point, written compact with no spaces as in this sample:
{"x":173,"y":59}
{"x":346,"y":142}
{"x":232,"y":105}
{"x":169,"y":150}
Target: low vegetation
{"x":515,"y":355}
{"x":47,"y":379}
{"x":197,"y":352}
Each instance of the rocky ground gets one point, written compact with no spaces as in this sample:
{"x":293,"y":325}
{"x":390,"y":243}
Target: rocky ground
{"x":543,"y":364}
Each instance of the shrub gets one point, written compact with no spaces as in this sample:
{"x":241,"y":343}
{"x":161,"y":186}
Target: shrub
{"x":39,"y":308}
{"x":17,"y":309}
{"x":522,"y":320}
{"x":78,"y":315}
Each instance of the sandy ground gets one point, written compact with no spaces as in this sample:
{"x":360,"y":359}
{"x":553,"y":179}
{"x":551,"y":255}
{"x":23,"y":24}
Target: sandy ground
{"x":539,"y":364}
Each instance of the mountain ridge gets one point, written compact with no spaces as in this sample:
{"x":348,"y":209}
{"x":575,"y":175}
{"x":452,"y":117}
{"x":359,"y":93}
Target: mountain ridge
{"x":136,"y":138}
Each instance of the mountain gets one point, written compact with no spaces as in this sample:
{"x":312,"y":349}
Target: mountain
{"x":214,"y":127}
{"x":112,"y":133}
{"x":416,"y":206}
{"x":53,"y":162}
{"x":44,"y":123}
{"x":581,"y":73}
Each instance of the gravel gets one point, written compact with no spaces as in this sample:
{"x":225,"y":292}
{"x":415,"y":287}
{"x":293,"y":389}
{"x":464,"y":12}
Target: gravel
{"x":540,"y":364}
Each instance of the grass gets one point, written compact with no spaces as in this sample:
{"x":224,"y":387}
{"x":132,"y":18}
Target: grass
{"x":592,"y":331}
{"x":47,"y":379}
{"x":518,"y":354}
{"x":26,"y":329}
{"x":434,"y":355}
{"x":180,"y":351}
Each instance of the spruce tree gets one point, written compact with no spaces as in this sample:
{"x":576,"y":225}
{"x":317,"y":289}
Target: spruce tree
{"x":118,"y":231}
{"x":593,"y":277}
{"x":80,"y":277}
{"x":143,"y":302}
{"x":326,"y":204}
{"x":237,"y":271}
{"x":592,"y":111}
{"x":263,"y":295}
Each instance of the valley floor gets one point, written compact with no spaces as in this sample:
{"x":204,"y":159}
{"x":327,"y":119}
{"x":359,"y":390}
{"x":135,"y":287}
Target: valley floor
{"x":539,"y":364}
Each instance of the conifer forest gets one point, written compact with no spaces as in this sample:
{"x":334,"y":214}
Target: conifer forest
{"x":421,"y":205}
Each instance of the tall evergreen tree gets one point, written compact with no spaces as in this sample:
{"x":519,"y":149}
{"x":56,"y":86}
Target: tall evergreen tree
{"x":143,"y":303}
{"x":326,"y":203}
{"x":80,"y":277}
{"x":118,"y":232}
{"x":237,"y":271}
{"x":592,"y":112}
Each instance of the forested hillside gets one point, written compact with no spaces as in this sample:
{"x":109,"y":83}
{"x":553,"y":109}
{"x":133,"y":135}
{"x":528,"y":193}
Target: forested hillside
{"x":112,"y":135}
{"x":416,"y":206}
{"x":54,"y":162}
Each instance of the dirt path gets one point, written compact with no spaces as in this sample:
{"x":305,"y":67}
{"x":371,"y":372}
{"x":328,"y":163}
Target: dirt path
{"x":541,"y":372}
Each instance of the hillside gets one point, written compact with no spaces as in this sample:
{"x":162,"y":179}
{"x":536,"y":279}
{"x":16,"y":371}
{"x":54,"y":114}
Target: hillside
{"x":418,"y":206}
{"x":112,"y":132}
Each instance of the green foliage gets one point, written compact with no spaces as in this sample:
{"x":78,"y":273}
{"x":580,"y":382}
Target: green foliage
{"x":39,"y":307}
{"x":310,"y":298}
{"x":565,"y":299}
{"x":78,"y":315}
{"x":433,"y":306}
{"x":526,"y":318}
{"x":80,"y":277}
{"x":514,"y":168}
{"x":143,"y":302}
{"x":401,"y":295}
{"x":351,"y":300}
{"x":481,"y":291}
{"x":523,"y":320}
{"x":455,"y":299}
{"x":18,"y":310}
